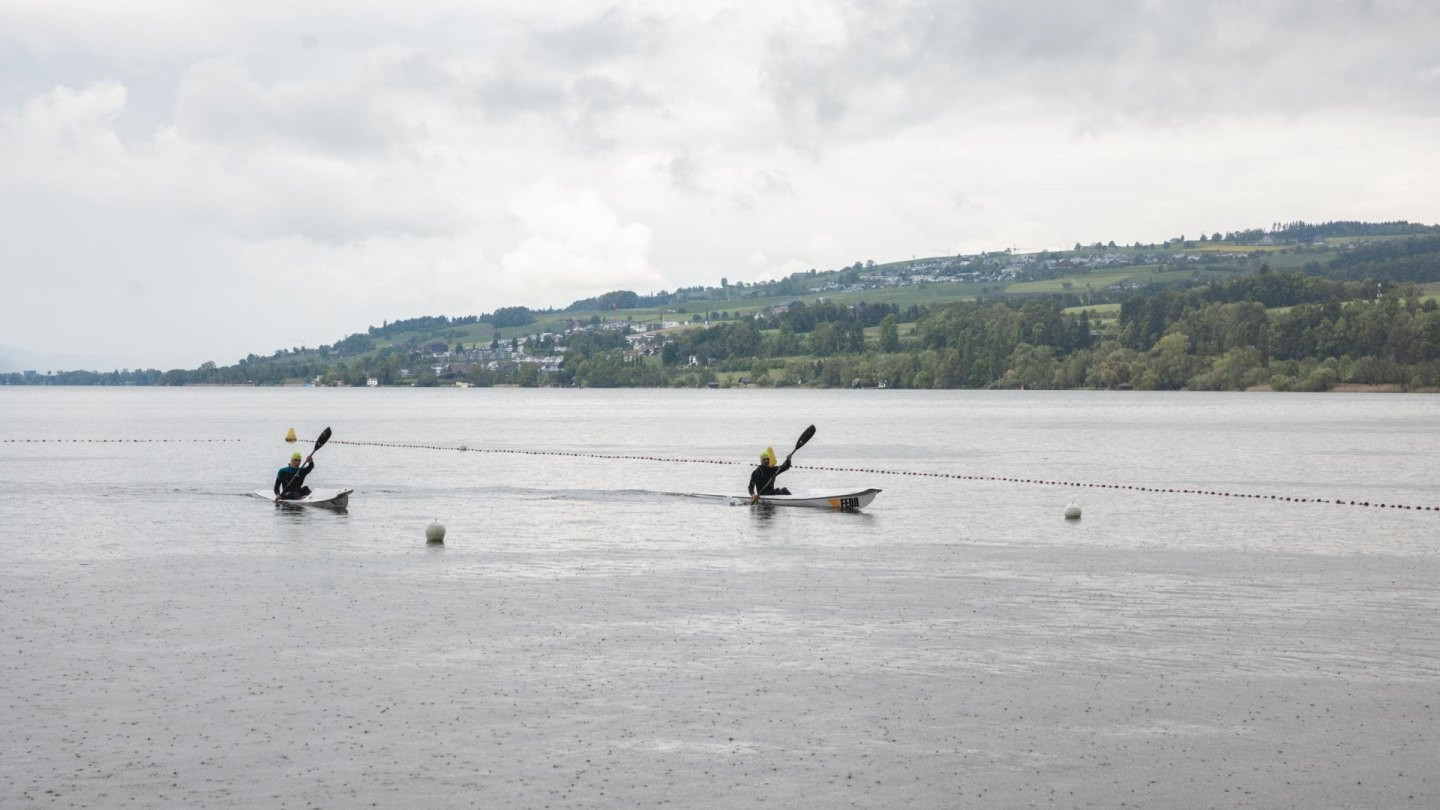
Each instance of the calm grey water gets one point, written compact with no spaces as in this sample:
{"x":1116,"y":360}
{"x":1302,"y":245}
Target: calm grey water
{"x":589,"y":636}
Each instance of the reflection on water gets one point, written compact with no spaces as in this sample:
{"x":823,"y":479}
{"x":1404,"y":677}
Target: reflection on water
{"x":304,"y":513}
{"x":762,"y":513}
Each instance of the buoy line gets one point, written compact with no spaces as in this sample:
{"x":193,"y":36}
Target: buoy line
{"x":953,"y":476}
{"x":869,"y":471}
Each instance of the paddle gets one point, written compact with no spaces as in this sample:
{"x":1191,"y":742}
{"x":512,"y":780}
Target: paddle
{"x":319,"y":443}
{"x":799,"y":443}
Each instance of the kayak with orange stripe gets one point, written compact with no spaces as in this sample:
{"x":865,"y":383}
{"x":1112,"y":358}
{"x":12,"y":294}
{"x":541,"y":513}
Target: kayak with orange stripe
{"x":842,"y":500}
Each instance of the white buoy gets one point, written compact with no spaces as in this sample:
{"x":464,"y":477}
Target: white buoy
{"x":1072,"y":511}
{"x":435,"y":532}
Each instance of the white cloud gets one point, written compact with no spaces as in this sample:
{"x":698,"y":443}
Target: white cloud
{"x":65,"y":136}
{"x":575,"y":242}
{"x":66,"y":117}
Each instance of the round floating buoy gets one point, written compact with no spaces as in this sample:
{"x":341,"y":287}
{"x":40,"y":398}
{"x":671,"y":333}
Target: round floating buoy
{"x":435,"y":533}
{"x":1072,"y":511}
{"x":290,"y":437}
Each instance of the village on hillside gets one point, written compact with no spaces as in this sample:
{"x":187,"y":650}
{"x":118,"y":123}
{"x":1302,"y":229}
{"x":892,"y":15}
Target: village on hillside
{"x":545,"y":351}
{"x":1085,"y":310}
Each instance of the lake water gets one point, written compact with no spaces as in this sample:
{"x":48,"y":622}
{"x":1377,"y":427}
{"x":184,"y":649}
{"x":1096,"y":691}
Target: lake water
{"x":589,"y":635}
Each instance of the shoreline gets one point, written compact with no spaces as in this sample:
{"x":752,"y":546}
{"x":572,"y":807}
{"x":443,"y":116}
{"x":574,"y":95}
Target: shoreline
{"x":1342,"y":388}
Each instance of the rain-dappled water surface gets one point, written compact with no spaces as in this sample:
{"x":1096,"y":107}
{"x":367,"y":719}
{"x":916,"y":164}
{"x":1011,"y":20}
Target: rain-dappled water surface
{"x":590,"y":634}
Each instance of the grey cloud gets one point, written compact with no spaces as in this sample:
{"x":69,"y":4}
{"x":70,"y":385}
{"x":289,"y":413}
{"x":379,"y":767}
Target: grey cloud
{"x":1118,"y":59}
{"x":505,"y":95}
{"x":580,"y":107}
{"x":219,"y":101}
{"x":575,"y":77}
{"x":743,"y":190}
{"x":684,"y":174}
{"x":613,"y":35}
{"x":593,"y":101}
{"x":756,"y":187}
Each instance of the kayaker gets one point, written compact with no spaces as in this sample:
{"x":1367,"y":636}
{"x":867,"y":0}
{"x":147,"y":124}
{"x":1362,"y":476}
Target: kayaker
{"x":290,"y":480}
{"x":762,"y":479}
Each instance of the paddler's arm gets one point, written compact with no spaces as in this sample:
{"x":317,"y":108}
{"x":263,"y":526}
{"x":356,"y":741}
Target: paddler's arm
{"x":782,"y":467}
{"x":298,"y":480}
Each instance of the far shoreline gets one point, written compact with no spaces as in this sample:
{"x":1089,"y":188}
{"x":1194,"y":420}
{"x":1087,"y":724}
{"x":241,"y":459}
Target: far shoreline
{"x":1361,"y":388}
{"x":1341,"y":388}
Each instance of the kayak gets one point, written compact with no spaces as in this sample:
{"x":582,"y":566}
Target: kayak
{"x":843,"y":500}
{"x":333,"y":498}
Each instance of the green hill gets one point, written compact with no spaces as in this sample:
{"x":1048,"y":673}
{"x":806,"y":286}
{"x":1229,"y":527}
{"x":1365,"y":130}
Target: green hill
{"x":871,"y":323}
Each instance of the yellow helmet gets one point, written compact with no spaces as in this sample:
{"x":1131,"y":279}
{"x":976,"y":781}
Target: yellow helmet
{"x":768,"y":454}
{"x":295,"y":456}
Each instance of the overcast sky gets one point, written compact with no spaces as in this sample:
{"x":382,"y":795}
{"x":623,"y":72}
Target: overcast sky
{"x":183,"y":180}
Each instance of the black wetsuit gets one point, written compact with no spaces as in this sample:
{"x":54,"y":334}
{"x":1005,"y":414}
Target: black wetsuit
{"x":762,"y":480}
{"x":290,"y":481}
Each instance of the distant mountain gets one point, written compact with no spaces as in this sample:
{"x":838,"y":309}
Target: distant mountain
{"x":15,"y":359}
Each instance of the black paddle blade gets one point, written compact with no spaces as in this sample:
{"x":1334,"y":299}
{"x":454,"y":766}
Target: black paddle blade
{"x":321,"y":439}
{"x":804,"y":437}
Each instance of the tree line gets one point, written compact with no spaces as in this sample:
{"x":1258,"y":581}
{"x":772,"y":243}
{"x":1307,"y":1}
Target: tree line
{"x":1285,"y":330}
{"x":1359,"y":318}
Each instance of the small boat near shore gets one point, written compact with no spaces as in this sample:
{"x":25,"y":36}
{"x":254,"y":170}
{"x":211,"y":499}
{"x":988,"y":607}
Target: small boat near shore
{"x":331,"y":498}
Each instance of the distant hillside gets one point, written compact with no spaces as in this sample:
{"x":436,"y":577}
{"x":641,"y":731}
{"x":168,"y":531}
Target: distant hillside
{"x":798,"y":329}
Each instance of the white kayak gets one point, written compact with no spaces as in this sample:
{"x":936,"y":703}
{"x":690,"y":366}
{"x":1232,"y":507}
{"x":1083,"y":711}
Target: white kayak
{"x":843,"y":500}
{"x":333,"y":498}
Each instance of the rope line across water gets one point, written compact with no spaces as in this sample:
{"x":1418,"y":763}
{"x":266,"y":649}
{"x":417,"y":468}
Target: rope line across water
{"x":953,"y":476}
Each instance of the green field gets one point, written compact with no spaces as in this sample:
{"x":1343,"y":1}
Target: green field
{"x":1103,"y":311}
{"x":1080,"y":283}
